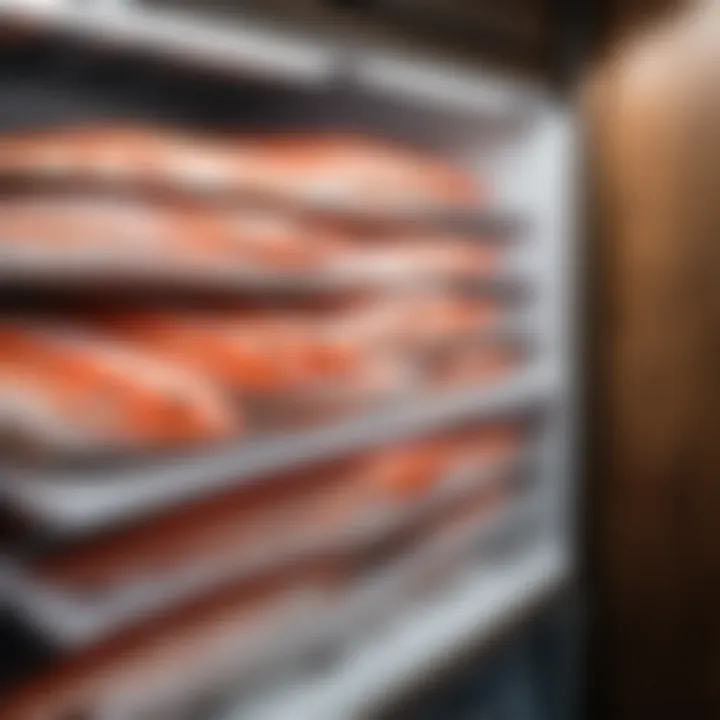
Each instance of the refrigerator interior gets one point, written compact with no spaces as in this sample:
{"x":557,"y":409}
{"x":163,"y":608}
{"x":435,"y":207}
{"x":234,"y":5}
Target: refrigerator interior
{"x":519,"y":140}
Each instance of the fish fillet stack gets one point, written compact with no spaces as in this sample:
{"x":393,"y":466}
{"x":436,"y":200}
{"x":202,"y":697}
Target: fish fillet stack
{"x":169,"y":609}
{"x":229,"y":586}
{"x":231,"y":208}
{"x":146,"y":203}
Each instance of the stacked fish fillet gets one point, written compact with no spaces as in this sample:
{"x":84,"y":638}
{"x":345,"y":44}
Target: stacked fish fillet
{"x":142,"y":203}
{"x":176,"y":605}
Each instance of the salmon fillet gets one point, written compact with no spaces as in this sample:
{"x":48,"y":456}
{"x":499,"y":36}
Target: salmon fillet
{"x":247,"y":351}
{"x":412,"y":320}
{"x":331,"y":169}
{"x":136,"y":233}
{"x":61,"y":386}
{"x":420,"y":256}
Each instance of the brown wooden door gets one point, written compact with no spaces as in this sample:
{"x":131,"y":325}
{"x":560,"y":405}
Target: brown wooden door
{"x":654,"y":111}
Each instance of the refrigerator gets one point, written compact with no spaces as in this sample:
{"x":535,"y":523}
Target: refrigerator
{"x":301,"y":614}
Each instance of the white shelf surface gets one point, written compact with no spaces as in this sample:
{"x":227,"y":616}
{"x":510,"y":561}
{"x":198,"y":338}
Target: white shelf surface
{"x":81,"y":500}
{"x":239,"y":46}
{"x":245,"y":46}
{"x":465,"y":617}
{"x":444,"y":84}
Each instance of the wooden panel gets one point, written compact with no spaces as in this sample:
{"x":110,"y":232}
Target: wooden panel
{"x":655,"y":112}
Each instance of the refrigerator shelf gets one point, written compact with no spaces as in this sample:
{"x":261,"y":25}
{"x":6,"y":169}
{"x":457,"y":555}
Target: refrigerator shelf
{"x":72,"y":618}
{"x":468,"y":616}
{"x":250,"y":49}
{"x":255,"y":50}
{"x":83,"y":499}
{"x":377,"y":596}
{"x":22,"y":269}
